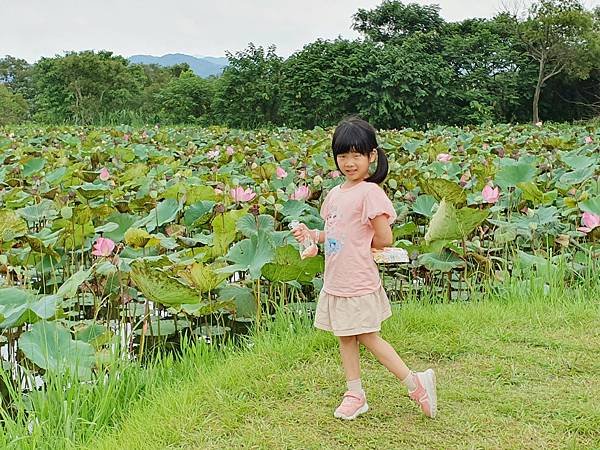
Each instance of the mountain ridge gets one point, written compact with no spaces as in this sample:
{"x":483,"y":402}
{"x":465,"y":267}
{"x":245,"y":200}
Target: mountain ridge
{"x":203,"y":66}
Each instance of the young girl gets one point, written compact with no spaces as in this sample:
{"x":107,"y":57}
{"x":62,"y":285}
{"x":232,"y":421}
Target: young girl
{"x":352,"y":304}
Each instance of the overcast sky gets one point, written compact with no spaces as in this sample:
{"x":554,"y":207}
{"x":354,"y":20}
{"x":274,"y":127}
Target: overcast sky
{"x":31,"y":29}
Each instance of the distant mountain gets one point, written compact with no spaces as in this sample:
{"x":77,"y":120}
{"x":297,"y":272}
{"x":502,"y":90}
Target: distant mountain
{"x":203,"y":66}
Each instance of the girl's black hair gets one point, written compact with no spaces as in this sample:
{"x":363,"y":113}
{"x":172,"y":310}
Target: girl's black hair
{"x":356,"y":135}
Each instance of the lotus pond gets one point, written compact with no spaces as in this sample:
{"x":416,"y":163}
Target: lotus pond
{"x":118,"y":242}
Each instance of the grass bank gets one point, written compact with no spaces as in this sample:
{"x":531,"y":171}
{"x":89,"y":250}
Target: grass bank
{"x":520,"y":369}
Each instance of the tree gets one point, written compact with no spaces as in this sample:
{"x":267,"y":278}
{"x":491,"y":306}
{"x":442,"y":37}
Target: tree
{"x":560,"y":35}
{"x":248,"y":92}
{"x":84,"y":87}
{"x":153,"y":79}
{"x":16,"y":75}
{"x":392,"y":21}
{"x":325,"y":81}
{"x":13,"y":107}
{"x":406,"y":87}
{"x":185,"y":99}
{"x":491,"y":75}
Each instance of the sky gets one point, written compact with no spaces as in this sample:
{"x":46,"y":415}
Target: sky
{"x":34,"y":28}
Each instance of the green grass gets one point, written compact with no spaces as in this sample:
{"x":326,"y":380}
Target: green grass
{"x":518,"y":370}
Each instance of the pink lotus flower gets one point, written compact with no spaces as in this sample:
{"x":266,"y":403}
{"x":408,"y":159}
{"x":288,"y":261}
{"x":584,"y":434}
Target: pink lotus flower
{"x":103,"y":247}
{"x":589,"y":140}
{"x":301,"y":193}
{"x":230,"y":151}
{"x":334,"y":174}
{"x":485,"y":146}
{"x":444,"y":157}
{"x":240,"y":194}
{"x":104,"y":174}
{"x":126,"y":137}
{"x":490,"y":195}
{"x":218,"y":191}
{"x":213,"y":154}
{"x":590,"y":220}
{"x":281,"y":173}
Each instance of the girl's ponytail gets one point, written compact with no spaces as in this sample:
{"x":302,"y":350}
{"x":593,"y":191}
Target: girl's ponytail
{"x":381,"y":172}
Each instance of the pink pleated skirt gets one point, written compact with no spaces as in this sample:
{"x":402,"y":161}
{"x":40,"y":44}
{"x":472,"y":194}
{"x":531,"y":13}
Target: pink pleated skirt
{"x":349,"y":316}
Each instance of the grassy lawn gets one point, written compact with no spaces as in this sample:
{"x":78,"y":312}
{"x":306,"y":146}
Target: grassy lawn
{"x":518,"y":371}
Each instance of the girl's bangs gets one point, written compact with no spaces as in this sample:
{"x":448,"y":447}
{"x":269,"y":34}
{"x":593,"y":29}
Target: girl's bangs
{"x":348,"y":139}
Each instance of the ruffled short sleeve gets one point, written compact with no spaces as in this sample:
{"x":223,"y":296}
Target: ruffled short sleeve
{"x":376,"y":203}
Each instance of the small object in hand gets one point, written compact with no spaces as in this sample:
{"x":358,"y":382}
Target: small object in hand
{"x":310,"y":251}
{"x":308,"y":247}
{"x":391,"y":255}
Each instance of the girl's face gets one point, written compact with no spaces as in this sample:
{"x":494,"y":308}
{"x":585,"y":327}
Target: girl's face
{"x":355,"y":166}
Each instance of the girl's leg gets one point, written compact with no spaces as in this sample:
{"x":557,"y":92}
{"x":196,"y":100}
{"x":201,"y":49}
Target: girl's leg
{"x":354,"y":402}
{"x":350,"y":357}
{"x":421,"y":385}
{"x":385,"y":353}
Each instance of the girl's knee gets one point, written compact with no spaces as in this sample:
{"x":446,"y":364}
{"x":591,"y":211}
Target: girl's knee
{"x":367,"y":337}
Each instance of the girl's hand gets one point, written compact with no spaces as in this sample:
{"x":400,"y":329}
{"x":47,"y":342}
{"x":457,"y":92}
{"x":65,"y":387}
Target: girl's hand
{"x":376,"y":252}
{"x":301,"y":233}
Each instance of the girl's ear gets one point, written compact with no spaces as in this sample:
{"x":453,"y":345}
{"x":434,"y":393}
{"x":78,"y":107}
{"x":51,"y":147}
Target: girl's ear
{"x":373,"y":155}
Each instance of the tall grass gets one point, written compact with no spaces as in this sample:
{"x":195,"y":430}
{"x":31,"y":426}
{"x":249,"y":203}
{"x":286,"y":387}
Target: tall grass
{"x":67,"y":412}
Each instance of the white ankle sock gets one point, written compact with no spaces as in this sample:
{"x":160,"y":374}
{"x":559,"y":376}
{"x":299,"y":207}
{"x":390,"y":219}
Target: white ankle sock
{"x":409,"y":382}
{"x":355,"y":386}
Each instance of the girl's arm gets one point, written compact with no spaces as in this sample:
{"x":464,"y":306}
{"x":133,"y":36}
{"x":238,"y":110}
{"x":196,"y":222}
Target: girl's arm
{"x":383,"y":232}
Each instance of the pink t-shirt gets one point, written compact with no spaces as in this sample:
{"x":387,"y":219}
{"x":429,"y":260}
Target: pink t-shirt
{"x":349,"y":267}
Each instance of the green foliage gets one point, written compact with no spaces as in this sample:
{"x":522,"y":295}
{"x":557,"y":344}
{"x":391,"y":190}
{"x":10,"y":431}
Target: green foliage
{"x":449,"y":223}
{"x":19,"y":307}
{"x":324,"y":81}
{"x":561,"y":36}
{"x":13,"y":107}
{"x":186,"y":99}
{"x":288,"y":266}
{"x":80,"y":87}
{"x":392,"y":21}
{"x":248,"y":93}
{"x":252,"y":254}
{"x":16,"y":75}
{"x":50,"y":346}
{"x":491,"y":75}
{"x":162,"y":287}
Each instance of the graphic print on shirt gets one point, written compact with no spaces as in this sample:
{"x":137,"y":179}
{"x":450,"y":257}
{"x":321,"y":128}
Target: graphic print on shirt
{"x":333,"y":235}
